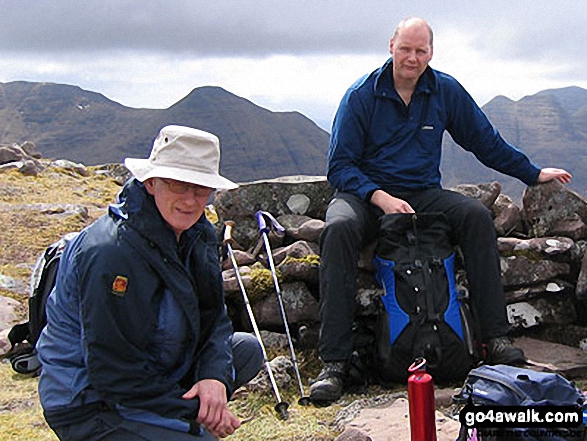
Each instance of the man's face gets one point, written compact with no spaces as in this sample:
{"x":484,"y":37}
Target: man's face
{"x":181,"y":204}
{"x":411,"y":51}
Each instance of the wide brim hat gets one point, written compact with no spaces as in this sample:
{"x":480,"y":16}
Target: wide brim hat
{"x":184,"y":154}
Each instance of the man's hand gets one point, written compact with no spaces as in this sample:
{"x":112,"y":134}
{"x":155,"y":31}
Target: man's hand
{"x":390,"y":204}
{"x":214,"y":414}
{"x":548,"y":174}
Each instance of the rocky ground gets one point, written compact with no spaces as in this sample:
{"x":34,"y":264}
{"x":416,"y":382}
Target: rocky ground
{"x":543,"y":261}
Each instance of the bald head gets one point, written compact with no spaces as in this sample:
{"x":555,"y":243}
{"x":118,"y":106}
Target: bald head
{"x":413,"y":22}
{"x":411,"y":50}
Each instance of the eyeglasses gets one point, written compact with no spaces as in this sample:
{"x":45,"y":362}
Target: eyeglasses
{"x":179,"y":187}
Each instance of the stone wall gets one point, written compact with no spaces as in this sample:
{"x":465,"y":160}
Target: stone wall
{"x":542,"y":247}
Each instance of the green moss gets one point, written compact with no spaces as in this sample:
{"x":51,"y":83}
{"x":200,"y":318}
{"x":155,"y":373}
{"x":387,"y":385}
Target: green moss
{"x":533,"y":255}
{"x":311,"y":259}
{"x":261,"y":283}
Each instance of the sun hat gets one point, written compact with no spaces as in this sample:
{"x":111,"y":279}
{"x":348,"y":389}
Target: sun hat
{"x":184,"y":154}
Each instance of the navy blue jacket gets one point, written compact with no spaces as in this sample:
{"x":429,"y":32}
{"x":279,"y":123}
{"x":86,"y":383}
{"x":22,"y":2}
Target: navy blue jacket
{"x":378,"y":142}
{"x":135,"y":319}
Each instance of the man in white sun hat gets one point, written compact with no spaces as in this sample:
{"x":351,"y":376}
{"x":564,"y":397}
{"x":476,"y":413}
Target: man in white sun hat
{"x":138,"y":345}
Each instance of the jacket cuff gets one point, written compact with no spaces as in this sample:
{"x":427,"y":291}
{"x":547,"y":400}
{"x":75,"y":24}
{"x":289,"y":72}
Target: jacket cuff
{"x":369,"y":194}
{"x":534,"y":179}
{"x":227,"y":383}
{"x":195,"y":429}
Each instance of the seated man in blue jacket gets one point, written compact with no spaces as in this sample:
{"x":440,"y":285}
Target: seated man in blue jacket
{"x":384,"y":158}
{"x":138,"y":345}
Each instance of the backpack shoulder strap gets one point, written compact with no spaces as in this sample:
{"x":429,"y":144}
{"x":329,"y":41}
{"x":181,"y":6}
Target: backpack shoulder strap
{"x":18,"y":334}
{"x":42,"y":283}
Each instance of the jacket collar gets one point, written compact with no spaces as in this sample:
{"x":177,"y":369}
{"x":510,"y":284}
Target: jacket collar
{"x":384,"y":86}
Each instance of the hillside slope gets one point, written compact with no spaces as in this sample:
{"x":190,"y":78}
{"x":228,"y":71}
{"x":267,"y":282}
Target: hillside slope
{"x":69,"y":122}
{"x":550,"y":127}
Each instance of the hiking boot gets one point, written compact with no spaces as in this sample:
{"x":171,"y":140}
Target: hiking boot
{"x":327,"y":387}
{"x":500,"y":350}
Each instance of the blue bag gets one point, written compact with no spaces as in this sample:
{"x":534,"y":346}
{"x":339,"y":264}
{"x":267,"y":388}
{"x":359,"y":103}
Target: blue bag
{"x":503,"y":385}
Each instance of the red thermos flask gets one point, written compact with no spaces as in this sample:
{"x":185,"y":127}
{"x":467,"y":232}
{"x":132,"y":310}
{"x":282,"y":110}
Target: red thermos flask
{"x":421,"y":402}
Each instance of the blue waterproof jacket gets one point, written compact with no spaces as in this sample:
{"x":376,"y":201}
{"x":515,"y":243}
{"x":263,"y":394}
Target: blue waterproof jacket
{"x":378,"y":142}
{"x":135,"y":319}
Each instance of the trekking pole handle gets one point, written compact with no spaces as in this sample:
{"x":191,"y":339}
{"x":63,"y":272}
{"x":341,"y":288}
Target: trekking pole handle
{"x":262,"y":217}
{"x":228,"y":226}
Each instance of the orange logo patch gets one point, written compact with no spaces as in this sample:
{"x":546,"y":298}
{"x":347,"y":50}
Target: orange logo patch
{"x":119,"y":286}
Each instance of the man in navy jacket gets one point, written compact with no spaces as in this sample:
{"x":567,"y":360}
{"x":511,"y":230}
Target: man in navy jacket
{"x":384,"y":158}
{"x":138,"y":345}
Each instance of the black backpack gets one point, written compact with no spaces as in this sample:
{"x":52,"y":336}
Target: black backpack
{"x":23,"y":337}
{"x":422,"y":314}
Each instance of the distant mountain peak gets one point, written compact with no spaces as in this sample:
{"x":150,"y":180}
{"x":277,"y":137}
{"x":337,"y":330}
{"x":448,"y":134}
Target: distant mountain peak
{"x":214,"y":96}
{"x":571,"y":98}
{"x":216,"y":91}
{"x":68,"y":122}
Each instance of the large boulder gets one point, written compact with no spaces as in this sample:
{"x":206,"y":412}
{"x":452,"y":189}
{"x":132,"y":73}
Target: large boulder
{"x":551,"y":209}
{"x":278,"y":197}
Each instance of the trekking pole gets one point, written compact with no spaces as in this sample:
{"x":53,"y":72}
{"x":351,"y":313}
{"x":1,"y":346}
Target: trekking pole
{"x":262,"y":217}
{"x":281,"y":406}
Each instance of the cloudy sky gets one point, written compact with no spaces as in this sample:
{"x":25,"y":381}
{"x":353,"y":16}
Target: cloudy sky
{"x":284,"y":55}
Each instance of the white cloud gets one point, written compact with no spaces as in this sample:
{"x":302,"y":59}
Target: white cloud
{"x":486,"y":78}
{"x":284,"y":56}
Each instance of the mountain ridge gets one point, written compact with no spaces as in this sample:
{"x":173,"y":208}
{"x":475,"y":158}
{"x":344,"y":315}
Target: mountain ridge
{"x":66,"y":121}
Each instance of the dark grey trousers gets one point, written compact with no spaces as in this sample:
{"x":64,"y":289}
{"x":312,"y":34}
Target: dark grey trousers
{"x":352,"y":223}
{"x":107,"y":425}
